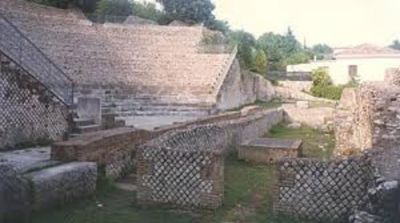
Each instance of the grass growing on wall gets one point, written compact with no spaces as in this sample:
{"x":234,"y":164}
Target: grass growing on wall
{"x":315,"y":143}
{"x":248,"y":194}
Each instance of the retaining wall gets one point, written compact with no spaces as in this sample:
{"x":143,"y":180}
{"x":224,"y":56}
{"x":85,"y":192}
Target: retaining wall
{"x":29,"y":113}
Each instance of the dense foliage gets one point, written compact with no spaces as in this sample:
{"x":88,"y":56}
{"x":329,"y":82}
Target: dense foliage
{"x":194,"y":11}
{"x":121,"y":8}
{"x":323,"y":86}
{"x":246,"y":44}
{"x":149,"y":11}
{"x":85,"y":5}
{"x":260,"y":62}
{"x":395,"y":45}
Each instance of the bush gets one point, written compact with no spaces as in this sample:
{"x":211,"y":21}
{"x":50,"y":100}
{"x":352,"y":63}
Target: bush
{"x":323,"y":87}
{"x":260,"y":62}
{"x":329,"y":92}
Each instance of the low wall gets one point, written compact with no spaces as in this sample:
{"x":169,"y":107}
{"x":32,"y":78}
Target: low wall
{"x":297,"y":85}
{"x":183,"y":168}
{"x":323,"y":191}
{"x":317,"y":117}
{"x":29,"y":113}
{"x":115,"y":150}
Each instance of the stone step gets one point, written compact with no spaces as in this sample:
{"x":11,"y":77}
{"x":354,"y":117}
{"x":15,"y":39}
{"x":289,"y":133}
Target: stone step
{"x":87,"y":129}
{"x":84,"y":122}
{"x":160,"y":113}
{"x":165,"y":109}
{"x":61,"y":184}
{"x":127,"y":183}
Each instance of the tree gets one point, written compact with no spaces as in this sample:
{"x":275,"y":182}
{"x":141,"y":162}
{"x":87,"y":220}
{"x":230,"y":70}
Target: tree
{"x":246,"y":44}
{"x":321,"y":51}
{"x":260,"y":62}
{"x":395,"y":45}
{"x":273,"y":45}
{"x":121,"y":8}
{"x":85,"y":5}
{"x":148,"y":10}
{"x":290,"y":43}
{"x":219,"y":25}
{"x":193,"y":11}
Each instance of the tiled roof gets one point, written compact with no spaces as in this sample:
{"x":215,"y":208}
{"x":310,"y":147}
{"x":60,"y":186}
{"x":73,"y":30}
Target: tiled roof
{"x":367,"y":50}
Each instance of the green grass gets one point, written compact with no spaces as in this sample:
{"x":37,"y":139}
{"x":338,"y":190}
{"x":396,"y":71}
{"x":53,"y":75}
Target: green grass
{"x":315,"y":143}
{"x":248,"y":194}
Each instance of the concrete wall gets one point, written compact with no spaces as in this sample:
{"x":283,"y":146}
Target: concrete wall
{"x":28,"y":112}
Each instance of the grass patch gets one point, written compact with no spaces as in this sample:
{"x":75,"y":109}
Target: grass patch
{"x":315,"y":143}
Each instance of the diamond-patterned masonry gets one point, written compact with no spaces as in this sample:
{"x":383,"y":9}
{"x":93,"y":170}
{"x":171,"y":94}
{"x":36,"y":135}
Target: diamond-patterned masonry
{"x":183,"y":168}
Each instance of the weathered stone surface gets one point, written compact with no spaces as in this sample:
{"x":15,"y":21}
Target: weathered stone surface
{"x":183,"y":168}
{"x":268,"y":150}
{"x":323,"y":191}
{"x":28,"y":159}
{"x":29,"y":112}
{"x":15,"y":196}
{"x":316,"y":117}
{"x":303,"y":104}
{"x":243,"y":87}
{"x":300,"y":86}
{"x":364,"y":217}
{"x":58,"y":185}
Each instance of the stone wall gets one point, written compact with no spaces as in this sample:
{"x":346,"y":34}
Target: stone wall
{"x":369,"y":118}
{"x":115,"y":150}
{"x":28,"y":113}
{"x":323,"y":191}
{"x":315,"y":117}
{"x":243,"y":87}
{"x":304,"y":86}
{"x":183,"y":168}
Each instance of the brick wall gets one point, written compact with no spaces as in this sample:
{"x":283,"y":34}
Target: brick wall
{"x":113,"y":150}
{"x":323,"y":191}
{"x":28,"y":112}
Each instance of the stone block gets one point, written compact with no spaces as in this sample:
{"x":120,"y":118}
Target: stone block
{"x":89,"y":108}
{"x":268,"y":151}
{"x":58,"y":185}
{"x":15,"y":196}
{"x":303,"y":104}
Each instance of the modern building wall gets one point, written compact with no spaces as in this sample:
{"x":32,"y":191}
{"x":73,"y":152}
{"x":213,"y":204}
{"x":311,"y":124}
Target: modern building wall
{"x":368,"y":69}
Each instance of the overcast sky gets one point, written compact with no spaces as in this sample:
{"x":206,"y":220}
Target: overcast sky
{"x":335,"y":22}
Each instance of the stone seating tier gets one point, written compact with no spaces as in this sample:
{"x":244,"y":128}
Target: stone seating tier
{"x":163,"y":57}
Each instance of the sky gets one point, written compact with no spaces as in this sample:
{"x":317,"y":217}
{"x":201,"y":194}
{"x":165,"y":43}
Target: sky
{"x":338,"y":23}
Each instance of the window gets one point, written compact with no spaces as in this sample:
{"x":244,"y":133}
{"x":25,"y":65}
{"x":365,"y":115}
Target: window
{"x":353,"y":71}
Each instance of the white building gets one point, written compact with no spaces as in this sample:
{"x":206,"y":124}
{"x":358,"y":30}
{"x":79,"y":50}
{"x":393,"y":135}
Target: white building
{"x":366,"y":62}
